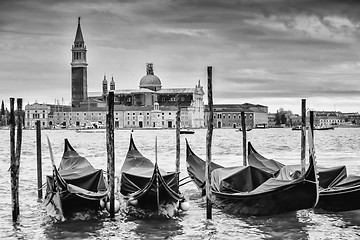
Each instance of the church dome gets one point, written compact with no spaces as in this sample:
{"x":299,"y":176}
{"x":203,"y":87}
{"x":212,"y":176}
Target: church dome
{"x":150,"y":80}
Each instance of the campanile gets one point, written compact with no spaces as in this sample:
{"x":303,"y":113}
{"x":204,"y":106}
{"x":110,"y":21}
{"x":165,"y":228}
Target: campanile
{"x":78,"y":69}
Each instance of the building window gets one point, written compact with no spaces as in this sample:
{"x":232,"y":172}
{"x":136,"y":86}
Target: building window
{"x":163,"y":99}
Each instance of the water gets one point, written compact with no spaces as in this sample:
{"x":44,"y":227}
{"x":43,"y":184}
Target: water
{"x":340,"y":146}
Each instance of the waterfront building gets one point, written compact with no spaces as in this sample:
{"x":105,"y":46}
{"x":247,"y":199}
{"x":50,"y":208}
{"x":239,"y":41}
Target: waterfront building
{"x":229,"y":115}
{"x":328,"y":118}
{"x":35,"y":112}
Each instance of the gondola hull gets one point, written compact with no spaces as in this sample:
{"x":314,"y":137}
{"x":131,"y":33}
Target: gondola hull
{"x":292,"y":198}
{"x":151,"y":194}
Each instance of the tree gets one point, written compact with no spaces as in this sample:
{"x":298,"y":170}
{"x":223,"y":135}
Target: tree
{"x":2,"y":112}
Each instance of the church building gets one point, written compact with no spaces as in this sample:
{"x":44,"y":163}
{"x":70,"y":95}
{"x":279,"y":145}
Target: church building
{"x":149,"y":106}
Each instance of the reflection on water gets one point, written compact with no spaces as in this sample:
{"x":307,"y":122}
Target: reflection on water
{"x":157,"y":228}
{"x":340,"y":146}
{"x":81,"y":228}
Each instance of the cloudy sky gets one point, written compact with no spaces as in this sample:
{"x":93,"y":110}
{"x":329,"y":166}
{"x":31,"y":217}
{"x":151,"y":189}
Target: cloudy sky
{"x":269,"y":52}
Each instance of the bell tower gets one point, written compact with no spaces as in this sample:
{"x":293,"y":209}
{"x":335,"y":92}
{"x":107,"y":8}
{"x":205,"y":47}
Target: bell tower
{"x":78,"y":69}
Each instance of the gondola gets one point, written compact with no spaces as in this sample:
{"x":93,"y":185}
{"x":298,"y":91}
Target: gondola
{"x":146,"y":186}
{"x":248,"y":190}
{"x":337,"y":190}
{"x":74,"y":186}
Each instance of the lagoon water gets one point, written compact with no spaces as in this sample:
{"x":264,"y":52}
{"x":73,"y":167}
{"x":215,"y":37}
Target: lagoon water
{"x":338,"y":147}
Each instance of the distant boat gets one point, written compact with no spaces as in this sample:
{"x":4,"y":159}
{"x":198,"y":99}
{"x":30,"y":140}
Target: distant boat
{"x":94,"y":130}
{"x":186,"y":131}
{"x":247,"y":129}
{"x":297,"y":128}
{"x":94,"y":127}
{"x":324,"y":128}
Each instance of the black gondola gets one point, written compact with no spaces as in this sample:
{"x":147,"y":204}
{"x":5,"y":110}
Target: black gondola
{"x":251,"y":191}
{"x":145,"y":185}
{"x":337,"y":190}
{"x":74,"y":186}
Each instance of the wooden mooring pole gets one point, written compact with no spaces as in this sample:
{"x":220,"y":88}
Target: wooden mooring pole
{"x":15,"y":153}
{"x":111,"y":151}
{"x":178,"y":121}
{"x":311,"y":137}
{"x":38,"y":155}
{"x":311,"y":120}
{"x":208,"y":146}
{"x":243,"y":127}
{"x":303,"y":134}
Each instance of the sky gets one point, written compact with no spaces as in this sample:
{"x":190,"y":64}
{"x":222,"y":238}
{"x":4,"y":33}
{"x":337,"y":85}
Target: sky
{"x":268,"y":52}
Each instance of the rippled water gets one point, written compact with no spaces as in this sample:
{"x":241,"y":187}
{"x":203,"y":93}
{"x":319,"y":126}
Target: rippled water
{"x":340,"y":146}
